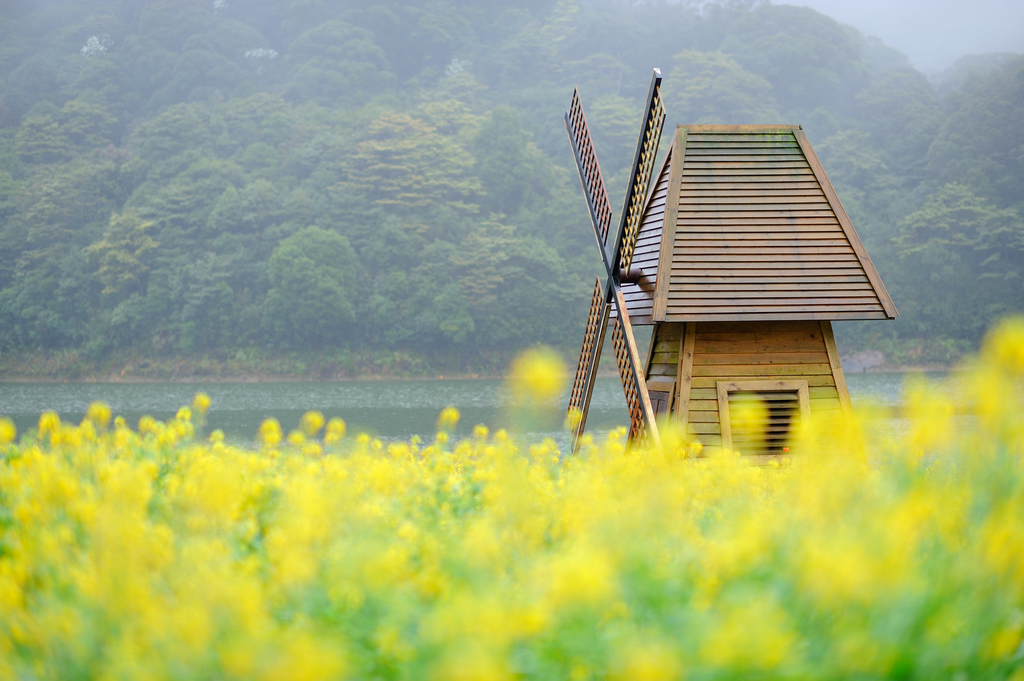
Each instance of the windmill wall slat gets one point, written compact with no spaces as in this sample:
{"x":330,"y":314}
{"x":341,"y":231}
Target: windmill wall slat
{"x":756,"y":237}
{"x":640,"y":297}
{"x":730,"y":351}
{"x":664,"y":359}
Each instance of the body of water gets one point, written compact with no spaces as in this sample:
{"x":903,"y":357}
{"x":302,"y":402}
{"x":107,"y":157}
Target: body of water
{"x":390,"y":409}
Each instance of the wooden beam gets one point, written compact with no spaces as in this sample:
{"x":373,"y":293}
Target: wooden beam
{"x":646,"y":152}
{"x":684,"y":377}
{"x":771,"y":316}
{"x":631,"y":372}
{"x":677,"y":152}
{"x":650,"y":351}
{"x":837,"y":369}
{"x":701,"y":383}
{"x":714,"y":128}
{"x":592,"y":181}
{"x":590,"y":359}
{"x":653,"y":188}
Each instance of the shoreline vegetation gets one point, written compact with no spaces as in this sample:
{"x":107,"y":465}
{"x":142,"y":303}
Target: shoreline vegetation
{"x":253,"y":366}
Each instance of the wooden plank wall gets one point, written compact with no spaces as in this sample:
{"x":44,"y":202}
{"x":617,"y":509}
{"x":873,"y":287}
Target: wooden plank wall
{"x":664,"y":353}
{"x":756,"y":238}
{"x":730,"y":351}
{"x":640,"y":297}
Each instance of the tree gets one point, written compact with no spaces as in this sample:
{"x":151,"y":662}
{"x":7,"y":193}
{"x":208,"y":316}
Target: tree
{"x":809,"y":58}
{"x":710,"y":87}
{"x":86,"y":124}
{"x":531,"y":55}
{"x":336,"y":63}
{"x":497,"y":270}
{"x":313,"y":276}
{"x":40,"y":139}
{"x":123,"y":255}
{"x":869,"y":189}
{"x":615,"y":124}
{"x":186,"y":201}
{"x":228,"y":37}
{"x":981,"y":141}
{"x":206,"y":313}
{"x":251,"y":210}
{"x":406,"y":166}
{"x":171,"y":22}
{"x":902,"y":115}
{"x":35,"y":80}
{"x":963,"y":262}
{"x":178,"y":128}
{"x":250,"y":119}
{"x":440,"y":32}
{"x":510,"y":168}
{"x":197,"y":75}
{"x":10,"y":245}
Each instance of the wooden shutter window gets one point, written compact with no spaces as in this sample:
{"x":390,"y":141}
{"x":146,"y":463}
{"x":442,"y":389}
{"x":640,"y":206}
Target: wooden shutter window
{"x":758,"y":418}
{"x":661,"y":391}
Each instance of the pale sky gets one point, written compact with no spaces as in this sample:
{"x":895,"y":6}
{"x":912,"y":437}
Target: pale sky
{"x":933,"y":33}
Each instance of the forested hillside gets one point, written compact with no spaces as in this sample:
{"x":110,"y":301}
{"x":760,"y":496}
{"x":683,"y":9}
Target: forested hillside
{"x":388,"y":186}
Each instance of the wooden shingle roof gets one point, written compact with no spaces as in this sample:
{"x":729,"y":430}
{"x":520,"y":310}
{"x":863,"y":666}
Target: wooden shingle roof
{"x":744,"y":225}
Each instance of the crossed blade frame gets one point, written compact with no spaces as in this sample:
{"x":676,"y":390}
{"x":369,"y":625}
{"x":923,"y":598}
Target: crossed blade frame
{"x":617,"y":256}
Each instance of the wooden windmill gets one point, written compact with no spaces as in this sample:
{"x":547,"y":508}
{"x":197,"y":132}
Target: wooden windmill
{"x":739,"y":253}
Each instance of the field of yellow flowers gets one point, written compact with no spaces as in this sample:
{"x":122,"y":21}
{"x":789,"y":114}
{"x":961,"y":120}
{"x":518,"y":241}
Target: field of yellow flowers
{"x":156,"y":554}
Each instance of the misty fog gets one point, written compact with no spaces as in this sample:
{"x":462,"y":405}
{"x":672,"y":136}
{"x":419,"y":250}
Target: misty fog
{"x":360,"y":187}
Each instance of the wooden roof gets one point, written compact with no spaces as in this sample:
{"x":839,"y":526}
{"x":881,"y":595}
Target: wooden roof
{"x":754,"y":231}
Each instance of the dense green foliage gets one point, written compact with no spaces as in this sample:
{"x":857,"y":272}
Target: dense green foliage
{"x":380,"y":178}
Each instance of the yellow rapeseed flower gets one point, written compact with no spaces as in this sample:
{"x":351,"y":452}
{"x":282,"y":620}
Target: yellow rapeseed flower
{"x":147,"y":424}
{"x":270,"y":432}
{"x":49,"y":424}
{"x":311,"y":423}
{"x":572,"y":419}
{"x":580,"y":575}
{"x":538,"y":375}
{"x":649,"y":659}
{"x":86,"y":430}
{"x":1004,"y":345}
{"x":498,"y":557}
{"x":448,"y":419}
{"x":335,"y":432}
{"x":99,"y":414}
{"x":301,"y":657}
{"x":473,"y":663}
{"x":7,"y":431}
{"x":201,"y":403}
{"x":754,"y":635}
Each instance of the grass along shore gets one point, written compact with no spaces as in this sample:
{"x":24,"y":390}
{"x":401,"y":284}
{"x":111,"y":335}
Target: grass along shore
{"x":255,"y":364}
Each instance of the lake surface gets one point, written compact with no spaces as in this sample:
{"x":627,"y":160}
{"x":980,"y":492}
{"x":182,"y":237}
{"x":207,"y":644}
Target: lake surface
{"x":390,"y":409}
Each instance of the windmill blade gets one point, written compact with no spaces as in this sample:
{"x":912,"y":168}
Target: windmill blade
{"x":586,"y":370}
{"x":640,"y":175}
{"x":613,"y":251}
{"x":642,"y":427}
{"x":590,"y":173}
